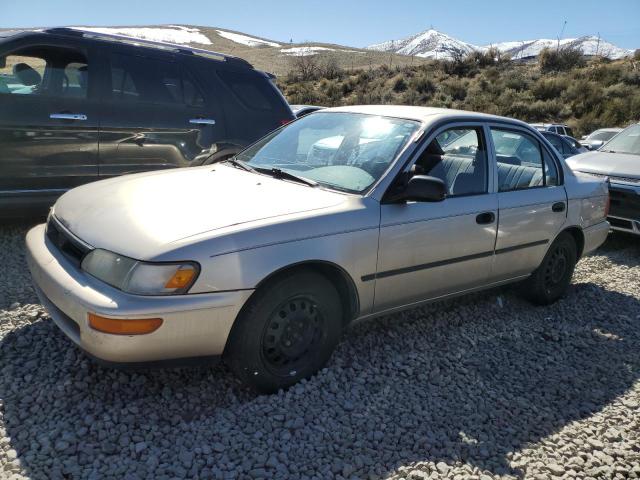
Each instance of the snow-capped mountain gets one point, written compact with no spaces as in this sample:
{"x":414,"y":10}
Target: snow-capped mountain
{"x":589,"y":45}
{"x":428,"y":44}
{"x":434,"y":44}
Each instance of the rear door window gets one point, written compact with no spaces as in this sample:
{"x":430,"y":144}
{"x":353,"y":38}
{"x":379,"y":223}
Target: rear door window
{"x":140,"y":79}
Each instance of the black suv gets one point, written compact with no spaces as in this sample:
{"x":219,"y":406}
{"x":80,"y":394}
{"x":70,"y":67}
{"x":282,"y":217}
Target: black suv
{"x":77,"y":106}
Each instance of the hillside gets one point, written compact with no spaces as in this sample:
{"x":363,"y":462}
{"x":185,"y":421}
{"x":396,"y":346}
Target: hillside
{"x":587,"y":95}
{"x":264,"y":54}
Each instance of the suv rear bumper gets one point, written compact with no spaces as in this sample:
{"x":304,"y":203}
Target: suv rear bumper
{"x":194,"y":325}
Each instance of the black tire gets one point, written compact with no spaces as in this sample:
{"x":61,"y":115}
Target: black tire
{"x":286,"y":332}
{"x":551,"y":279}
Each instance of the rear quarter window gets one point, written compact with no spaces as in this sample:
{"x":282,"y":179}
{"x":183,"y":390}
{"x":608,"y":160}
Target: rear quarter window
{"x":252,"y":91}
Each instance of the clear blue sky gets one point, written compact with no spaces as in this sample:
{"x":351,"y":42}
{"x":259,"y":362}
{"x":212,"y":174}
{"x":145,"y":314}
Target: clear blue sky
{"x":350,"y":22}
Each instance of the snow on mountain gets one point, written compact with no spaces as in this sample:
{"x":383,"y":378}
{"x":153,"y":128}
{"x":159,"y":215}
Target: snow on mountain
{"x":169,"y":34}
{"x":428,"y":44}
{"x":246,"y":39}
{"x":308,"y":51}
{"x":434,"y":44}
{"x":589,"y":45}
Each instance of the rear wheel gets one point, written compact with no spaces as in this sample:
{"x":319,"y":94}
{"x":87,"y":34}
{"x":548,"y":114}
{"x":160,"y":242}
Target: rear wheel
{"x":551,"y":279}
{"x":286,"y":333}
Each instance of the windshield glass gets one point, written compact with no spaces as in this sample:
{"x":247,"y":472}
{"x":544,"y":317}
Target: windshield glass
{"x":602,"y":135}
{"x":343,"y":151}
{"x":627,"y":141}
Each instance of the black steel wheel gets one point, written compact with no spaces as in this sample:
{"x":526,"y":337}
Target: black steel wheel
{"x":287,"y":331}
{"x":293,"y":331}
{"x":551,"y":279}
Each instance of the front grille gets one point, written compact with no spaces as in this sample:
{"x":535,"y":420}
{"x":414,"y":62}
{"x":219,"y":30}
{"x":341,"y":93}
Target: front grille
{"x":625,"y":203}
{"x":620,"y":223}
{"x":70,"y":246}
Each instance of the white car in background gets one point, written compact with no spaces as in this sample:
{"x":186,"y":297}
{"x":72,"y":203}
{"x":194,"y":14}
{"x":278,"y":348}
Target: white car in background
{"x":596,"y":139}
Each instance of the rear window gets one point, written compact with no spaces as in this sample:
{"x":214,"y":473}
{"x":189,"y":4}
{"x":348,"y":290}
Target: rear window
{"x":252,"y":91}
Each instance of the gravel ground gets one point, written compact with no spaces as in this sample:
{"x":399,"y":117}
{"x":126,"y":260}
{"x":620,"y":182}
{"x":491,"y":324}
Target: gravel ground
{"x":482,"y":387}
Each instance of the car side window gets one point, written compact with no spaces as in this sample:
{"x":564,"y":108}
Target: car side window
{"x":45,"y":70}
{"x":522,"y":162}
{"x":177,"y":86}
{"x":140,"y":79}
{"x":458,"y":156}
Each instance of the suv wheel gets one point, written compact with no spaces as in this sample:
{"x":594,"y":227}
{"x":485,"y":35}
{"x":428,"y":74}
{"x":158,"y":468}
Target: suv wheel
{"x":286,"y":333}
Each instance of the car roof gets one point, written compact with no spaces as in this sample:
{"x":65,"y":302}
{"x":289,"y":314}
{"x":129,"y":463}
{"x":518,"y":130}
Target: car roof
{"x":420,"y":114}
{"x":609,"y":130}
{"x":138,"y":42}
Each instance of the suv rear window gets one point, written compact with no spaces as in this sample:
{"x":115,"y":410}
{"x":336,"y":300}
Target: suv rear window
{"x":252,"y":91}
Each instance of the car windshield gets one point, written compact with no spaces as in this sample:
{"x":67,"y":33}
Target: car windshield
{"x":343,"y":151}
{"x":602,"y":135}
{"x":627,"y":141}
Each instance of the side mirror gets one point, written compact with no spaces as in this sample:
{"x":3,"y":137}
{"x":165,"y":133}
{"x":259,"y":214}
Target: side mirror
{"x":421,"y":188}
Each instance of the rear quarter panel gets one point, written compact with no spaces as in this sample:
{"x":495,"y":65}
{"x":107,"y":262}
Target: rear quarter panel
{"x":587,"y":197}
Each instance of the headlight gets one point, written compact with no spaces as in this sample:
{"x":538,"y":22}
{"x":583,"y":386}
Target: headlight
{"x":140,"y":278}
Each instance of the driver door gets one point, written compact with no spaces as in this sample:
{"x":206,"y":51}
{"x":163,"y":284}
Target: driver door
{"x":48,"y":121}
{"x":428,"y":250}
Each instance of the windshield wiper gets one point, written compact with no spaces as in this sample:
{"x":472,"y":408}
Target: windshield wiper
{"x":283,"y":174}
{"x":237,"y":163}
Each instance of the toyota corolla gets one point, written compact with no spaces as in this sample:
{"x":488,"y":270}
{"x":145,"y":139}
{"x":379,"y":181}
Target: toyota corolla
{"x":343,"y":215}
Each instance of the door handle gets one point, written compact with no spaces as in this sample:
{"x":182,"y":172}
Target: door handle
{"x":485,"y":218}
{"x":68,"y":116}
{"x":202,"y":121}
{"x":139,"y":138}
{"x":558,"y":207}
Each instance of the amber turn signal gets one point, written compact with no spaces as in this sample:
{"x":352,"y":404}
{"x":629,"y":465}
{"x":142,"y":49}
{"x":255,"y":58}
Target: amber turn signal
{"x":182,"y":278}
{"x":124,"y":326}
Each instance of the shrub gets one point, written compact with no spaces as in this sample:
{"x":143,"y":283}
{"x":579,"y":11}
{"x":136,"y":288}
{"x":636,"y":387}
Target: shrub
{"x":399,"y":84}
{"x":560,"y":59}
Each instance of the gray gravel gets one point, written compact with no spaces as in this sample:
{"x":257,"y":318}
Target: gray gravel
{"x":482,"y":387}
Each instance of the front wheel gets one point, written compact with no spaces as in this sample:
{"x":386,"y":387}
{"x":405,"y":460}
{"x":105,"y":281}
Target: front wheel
{"x":551,"y":279}
{"x":286,"y":333}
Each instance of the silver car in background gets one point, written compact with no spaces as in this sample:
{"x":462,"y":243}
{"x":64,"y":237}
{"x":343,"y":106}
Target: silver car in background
{"x":618,"y":161}
{"x":342,"y":215}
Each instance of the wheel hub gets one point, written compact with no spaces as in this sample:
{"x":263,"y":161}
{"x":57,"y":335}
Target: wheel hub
{"x":557,"y":267}
{"x":292,"y":331}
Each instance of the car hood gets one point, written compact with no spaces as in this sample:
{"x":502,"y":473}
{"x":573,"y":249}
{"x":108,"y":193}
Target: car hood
{"x":138,"y":215}
{"x":606,"y":163}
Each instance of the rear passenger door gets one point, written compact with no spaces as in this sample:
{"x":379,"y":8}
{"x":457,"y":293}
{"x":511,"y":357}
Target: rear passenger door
{"x":427,"y":250}
{"x":531,"y":198}
{"x":156,"y":113}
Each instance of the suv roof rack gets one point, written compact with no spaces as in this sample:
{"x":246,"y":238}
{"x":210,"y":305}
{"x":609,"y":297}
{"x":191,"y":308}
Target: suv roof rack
{"x":113,"y":37}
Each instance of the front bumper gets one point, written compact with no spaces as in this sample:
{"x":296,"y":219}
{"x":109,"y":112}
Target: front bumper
{"x":194,"y":325}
